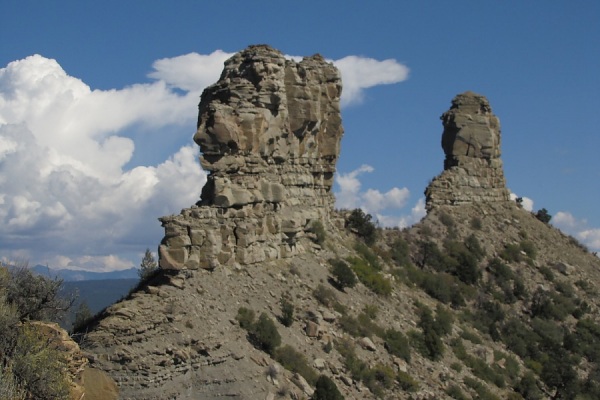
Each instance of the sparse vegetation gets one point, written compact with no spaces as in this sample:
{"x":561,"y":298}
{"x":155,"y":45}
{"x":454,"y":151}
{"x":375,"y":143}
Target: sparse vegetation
{"x":32,"y":366}
{"x":368,"y":274}
{"x":342,"y":274}
{"x":319,"y":230}
{"x":287,"y":311}
{"x":325,"y":296}
{"x":294,"y":361}
{"x":264,"y":334}
{"x":397,"y":344}
{"x":326,"y":389}
{"x":363,"y":225}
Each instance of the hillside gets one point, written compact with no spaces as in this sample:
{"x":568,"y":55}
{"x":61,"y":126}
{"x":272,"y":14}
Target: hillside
{"x":256,"y":296}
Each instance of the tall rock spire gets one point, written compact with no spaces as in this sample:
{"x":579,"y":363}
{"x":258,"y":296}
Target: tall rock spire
{"x":472,"y":167}
{"x":269,"y":132}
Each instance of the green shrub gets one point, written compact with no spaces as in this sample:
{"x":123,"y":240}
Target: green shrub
{"x":528,"y":387}
{"x":476,"y":223}
{"x":370,"y":277}
{"x":35,"y":297}
{"x":547,"y":273}
{"x":400,"y":251}
{"x":396,"y":343}
{"x":543,"y":215}
{"x":432,"y":346}
{"x":443,"y":320}
{"x":446,"y":220}
{"x":585,"y":339}
{"x":264,"y":334}
{"x":294,"y":361}
{"x":326,"y":389}
{"x":361,"y":223}
{"x":501,"y":271}
{"x":361,"y":326}
{"x":470,"y":336}
{"x":378,"y":378}
{"x":512,"y":253}
{"x":319,"y":230}
{"x":455,"y":392}
{"x":38,"y":367}
{"x":456,"y":366}
{"x":342,"y":274}
{"x":370,"y":311}
{"x":9,"y":388}
{"x":560,"y":374}
{"x":483,"y":371}
{"x":325,"y":296}
{"x":472,"y":244}
{"x":407,"y":382}
{"x":82,"y":316}
{"x":443,"y":287}
{"x":368,"y":255}
{"x":482,"y":391}
{"x":551,"y":305}
{"x":287,"y":311}
{"x":432,"y":256}
{"x":245,"y":318}
{"x":529,"y":248}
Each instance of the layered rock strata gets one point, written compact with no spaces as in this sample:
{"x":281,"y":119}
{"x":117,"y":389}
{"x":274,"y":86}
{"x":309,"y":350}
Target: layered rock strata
{"x":269,"y":132}
{"x":472,"y":168}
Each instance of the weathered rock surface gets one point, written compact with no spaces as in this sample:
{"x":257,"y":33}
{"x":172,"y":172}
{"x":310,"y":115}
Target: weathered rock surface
{"x":269,"y":131}
{"x":472,"y":167}
{"x":85,"y":382}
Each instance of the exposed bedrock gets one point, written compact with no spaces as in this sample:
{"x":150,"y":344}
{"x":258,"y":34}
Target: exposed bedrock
{"x":472,"y":168}
{"x":269,"y":132}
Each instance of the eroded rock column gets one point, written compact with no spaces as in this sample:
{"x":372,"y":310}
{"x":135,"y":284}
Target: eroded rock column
{"x":472,"y":168}
{"x":269,"y":132}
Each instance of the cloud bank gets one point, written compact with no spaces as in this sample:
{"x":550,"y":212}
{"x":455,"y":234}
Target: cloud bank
{"x":69,"y":197}
{"x":374,"y":202}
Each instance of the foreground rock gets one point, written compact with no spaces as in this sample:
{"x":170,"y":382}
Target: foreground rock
{"x":269,"y":131}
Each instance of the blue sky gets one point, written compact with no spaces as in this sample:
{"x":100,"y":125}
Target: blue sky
{"x":95,"y":132}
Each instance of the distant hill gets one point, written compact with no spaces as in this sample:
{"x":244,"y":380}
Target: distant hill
{"x":98,"y":294}
{"x":76,"y":275}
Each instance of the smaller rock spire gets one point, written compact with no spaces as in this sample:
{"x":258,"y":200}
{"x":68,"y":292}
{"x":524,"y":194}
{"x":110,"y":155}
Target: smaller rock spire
{"x":472,"y":167}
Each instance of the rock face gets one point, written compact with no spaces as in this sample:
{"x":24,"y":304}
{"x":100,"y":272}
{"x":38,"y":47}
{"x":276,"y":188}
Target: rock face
{"x":472,"y":167}
{"x":269,"y":131}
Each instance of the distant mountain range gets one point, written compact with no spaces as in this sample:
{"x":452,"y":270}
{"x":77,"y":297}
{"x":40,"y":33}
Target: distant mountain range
{"x":69,"y":275}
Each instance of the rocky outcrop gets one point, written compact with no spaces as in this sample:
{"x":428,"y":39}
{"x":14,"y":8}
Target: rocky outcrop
{"x":84,"y":381}
{"x":269,"y":132}
{"x":472,"y":168}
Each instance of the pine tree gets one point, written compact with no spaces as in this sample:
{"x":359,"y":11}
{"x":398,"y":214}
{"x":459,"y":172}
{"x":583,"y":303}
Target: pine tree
{"x":148,"y":266}
{"x":82,"y":316}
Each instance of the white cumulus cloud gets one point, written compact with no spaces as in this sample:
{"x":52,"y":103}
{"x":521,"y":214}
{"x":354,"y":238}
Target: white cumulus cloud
{"x":579,"y":228}
{"x":360,"y":73}
{"x":377,"y":203}
{"x":527,"y":203}
{"x":68,"y":194}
